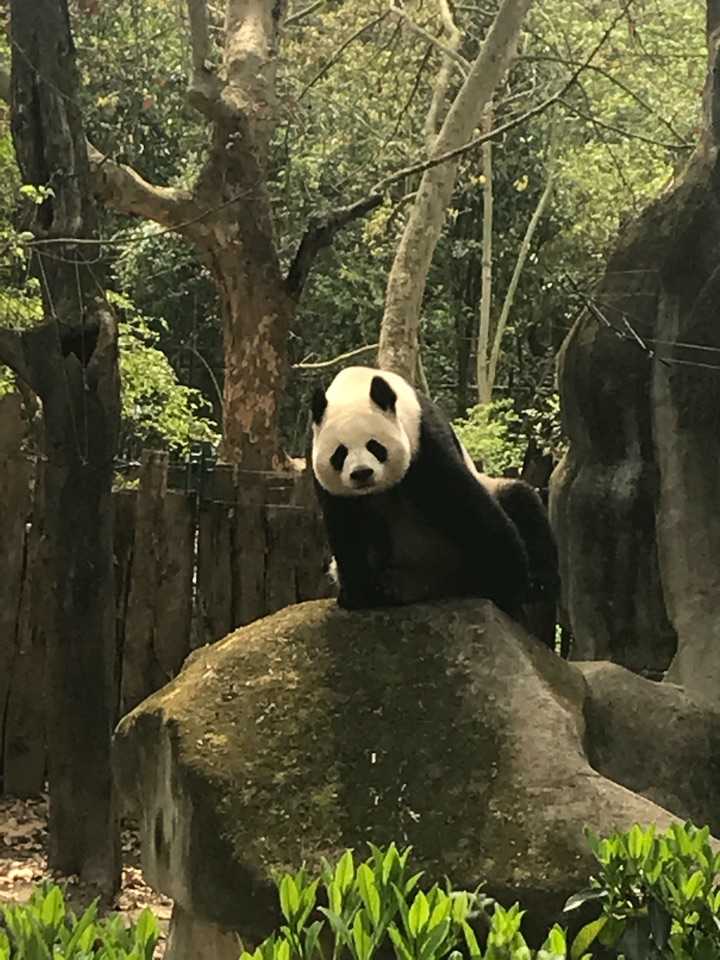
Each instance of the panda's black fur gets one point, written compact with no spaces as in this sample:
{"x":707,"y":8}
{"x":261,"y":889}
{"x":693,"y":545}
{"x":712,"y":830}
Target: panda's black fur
{"x":435,"y":534}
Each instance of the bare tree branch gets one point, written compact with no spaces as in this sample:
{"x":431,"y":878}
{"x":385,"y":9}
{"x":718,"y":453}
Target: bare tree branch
{"x":121,"y":188}
{"x":519,"y":264}
{"x":447,"y":51}
{"x":339,"y":359}
{"x":629,"y":134}
{"x":433,"y":119}
{"x":297,"y":17}
{"x":319,"y":236}
{"x":504,"y":127}
{"x":601,"y":71}
{"x":340,"y":50}
{"x":204,"y":88}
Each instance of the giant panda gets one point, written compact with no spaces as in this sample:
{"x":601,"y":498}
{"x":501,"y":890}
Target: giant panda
{"x":407,"y":519}
{"x":525,"y":508}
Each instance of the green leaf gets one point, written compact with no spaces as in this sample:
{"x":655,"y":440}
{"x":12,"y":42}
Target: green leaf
{"x":419,"y":914}
{"x":635,"y":842}
{"x":399,"y":943}
{"x":693,"y":886}
{"x":470,"y":939}
{"x":583,"y":896}
{"x":432,"y":946}
{"x":339,"y":927}
{"x":586,"y":936}
{"x":369,"y":893}
{"x":441,"y":912}
{"x":312,"y":936}
{"x":146,"y":933}
{"x":289,"y":897}
{"x":345,"y":871}
{"x":412,"y":882}
{"x":52,"y":910}
{"x":362,"y":937}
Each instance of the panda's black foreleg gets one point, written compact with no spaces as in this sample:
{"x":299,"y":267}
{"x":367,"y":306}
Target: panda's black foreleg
{"x":359,"y":549}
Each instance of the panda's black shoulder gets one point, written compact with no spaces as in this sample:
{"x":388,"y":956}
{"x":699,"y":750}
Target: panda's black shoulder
{"x":437,"y":437}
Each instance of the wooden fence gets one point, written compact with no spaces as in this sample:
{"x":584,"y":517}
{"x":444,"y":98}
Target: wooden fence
{"x":189,"y":567}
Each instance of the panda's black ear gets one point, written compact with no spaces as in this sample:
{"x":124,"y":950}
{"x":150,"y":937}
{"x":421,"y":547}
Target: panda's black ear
{"x":318,"y":404}
{"x":383,"y":394}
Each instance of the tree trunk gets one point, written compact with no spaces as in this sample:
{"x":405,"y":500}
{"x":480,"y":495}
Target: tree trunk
{"x":484,"y":387}
{"x":408,"y":275}
{"x":81,"y":430}
{"x":257,"y":312}
{"x":70,"y":361}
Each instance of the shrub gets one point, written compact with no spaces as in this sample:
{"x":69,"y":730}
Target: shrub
{"x":491,"y":434}
{"x":45,"y":928}
{"x":659,"y":895}
{"x":375,"y":908}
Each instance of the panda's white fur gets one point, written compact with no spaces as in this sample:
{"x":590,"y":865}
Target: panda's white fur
{"x":351,"y":418}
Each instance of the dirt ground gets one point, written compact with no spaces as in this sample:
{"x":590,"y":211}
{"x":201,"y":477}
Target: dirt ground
{"x":23,"y":864}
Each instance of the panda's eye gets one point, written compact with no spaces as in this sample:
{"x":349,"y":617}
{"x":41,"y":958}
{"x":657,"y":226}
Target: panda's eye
{"x":377,"y":450}
{"x":338,"y":458}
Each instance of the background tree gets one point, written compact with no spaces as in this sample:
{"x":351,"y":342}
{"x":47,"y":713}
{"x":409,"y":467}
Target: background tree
{"x":69,"y":359}
{"x":406,"y":282}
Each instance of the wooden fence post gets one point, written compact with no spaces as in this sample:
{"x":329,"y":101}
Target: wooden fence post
{"x":25,"y":759}
{"x":250,"y":547}
{"x":16,"y":498}
{"x":159,"y":608}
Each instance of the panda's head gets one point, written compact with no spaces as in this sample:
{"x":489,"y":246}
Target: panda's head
{"x":366,"y":430}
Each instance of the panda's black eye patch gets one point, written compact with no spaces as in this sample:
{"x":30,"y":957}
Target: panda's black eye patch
{"x":338,"y":458}
{"x":377,"y":450}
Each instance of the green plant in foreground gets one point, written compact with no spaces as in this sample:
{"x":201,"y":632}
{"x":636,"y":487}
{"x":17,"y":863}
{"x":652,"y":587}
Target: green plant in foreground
{"x":45,"y":929}
{"x":659,"y":895}
{"x":375,"y":906}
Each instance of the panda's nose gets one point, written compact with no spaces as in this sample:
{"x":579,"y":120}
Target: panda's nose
{"x":362,"y":474}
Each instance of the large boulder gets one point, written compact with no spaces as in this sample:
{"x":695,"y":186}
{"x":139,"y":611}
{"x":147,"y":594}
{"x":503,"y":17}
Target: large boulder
{"x":314,"y":729}
{"x":654,"y":739}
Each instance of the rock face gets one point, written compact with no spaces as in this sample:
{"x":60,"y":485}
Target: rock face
{"x":635,"y":501}
{"x":315,"y":729}
{"x":655,"y":740}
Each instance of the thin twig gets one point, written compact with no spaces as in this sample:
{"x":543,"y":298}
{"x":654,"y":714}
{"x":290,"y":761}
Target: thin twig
{"x":460,"y":62}
{"x":340,"y":50}
{"x":331,"y":363}
{"x":297,"y":17}
{"x":631,"y":135}
{"x":511,"y":124}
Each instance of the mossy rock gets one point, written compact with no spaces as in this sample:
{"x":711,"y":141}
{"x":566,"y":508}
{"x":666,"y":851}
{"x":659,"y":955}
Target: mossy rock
{"x":312,"y":730}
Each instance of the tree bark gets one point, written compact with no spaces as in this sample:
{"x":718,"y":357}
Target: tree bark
{"x":70,"y":361}
{"x":484,"y":388}
{"x":408,"y":276}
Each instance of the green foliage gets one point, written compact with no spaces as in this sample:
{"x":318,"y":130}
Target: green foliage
{"x":491,"y":433}
{"x":659,"y":895}
{"x":45,"y":929}
{"x":376,"y":906}
{"x":156,"y":408}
